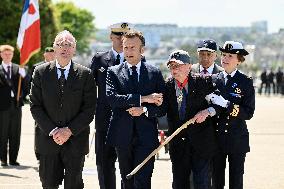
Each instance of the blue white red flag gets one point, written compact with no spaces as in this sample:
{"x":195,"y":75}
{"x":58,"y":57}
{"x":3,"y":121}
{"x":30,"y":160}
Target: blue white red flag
{"x":28,"y":40}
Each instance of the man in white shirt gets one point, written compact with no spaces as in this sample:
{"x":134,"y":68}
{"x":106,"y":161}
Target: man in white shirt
{"x":10,"y":109}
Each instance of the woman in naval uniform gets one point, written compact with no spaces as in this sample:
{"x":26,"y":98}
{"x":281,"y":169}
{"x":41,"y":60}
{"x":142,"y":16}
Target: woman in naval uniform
{"x":237,"y":95}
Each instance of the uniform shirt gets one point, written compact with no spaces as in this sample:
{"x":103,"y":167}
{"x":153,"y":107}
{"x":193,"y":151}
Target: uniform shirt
{"x":231,"y":74}
{"x":209,"y":70}
{"x":120,"y":54}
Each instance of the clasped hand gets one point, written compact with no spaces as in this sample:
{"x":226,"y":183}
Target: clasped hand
{"x":61,"y":135}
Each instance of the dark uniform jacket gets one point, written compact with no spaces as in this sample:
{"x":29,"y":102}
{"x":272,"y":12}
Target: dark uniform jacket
{"x":7,"y":85}
{"x":231,"y":129}
{"x":121,"y":97}
{"x":201,"y":136}
{"x":76,"y":111}
{"x":100,"y":63}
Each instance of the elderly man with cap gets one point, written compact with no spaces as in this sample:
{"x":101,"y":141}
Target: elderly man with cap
{"x":237,"y":96}
{"x":194,"y":147}
{"x":105,"y":154}
{"x":207,"y":56}
{"x":63,"y":100}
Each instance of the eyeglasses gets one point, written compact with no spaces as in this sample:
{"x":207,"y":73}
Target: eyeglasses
{"x":65,"y":45}
{"x":174,"y":66}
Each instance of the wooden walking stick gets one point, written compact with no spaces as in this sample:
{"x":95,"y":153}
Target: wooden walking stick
{"x":138,"y":167}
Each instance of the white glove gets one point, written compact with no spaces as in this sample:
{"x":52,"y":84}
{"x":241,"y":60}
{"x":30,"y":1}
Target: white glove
{"x":208,"y":97}
{"x":22,"y":72}
{"x":219,"y":100}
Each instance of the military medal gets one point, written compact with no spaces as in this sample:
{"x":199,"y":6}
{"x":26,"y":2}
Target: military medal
{"x":179,"y":98}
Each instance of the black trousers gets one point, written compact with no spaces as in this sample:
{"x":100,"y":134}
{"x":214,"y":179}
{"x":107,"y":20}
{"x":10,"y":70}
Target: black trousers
{"x":105,"y":161}
{"x":186,"y":161}
{"x":56,"y":167}
{"x":236,"y":170}
{"x":128,"y":159}
{"x":10,"y":132}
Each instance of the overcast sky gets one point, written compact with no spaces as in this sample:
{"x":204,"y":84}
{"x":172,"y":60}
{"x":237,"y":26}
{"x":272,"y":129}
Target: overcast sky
{"x":186,"y":12}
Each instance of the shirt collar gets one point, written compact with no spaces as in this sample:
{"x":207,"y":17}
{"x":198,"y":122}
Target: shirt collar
{"x":231,"y":74}
{"x":5,"y":65}
{"x":137,"y":66}
{"x":209,"y":70}
{"x":67,"y":67}
{"x":115,"y":53}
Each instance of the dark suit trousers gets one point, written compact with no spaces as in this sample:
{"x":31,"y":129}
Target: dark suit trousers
{"x":236,"y":170}
{"x":128,"y":159}
{"x":184,"y":160}
{"x":10,"y":126}
{"x":56,"y":167}
{"x":105,"y":161}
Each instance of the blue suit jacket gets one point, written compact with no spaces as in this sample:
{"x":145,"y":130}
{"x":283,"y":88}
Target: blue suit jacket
{"x":119,"y":91}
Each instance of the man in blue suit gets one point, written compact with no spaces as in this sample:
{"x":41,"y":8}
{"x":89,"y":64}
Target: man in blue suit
{"x":134,"y":90}
{"x":105,"y":154}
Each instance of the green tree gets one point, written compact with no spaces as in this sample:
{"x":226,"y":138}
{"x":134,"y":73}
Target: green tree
{"x":78,"y":21}
{"x":10,"y":14}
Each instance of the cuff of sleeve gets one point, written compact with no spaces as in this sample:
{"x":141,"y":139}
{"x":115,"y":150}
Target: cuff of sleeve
{"x":53,"y":130}
{"x":212,"y":111}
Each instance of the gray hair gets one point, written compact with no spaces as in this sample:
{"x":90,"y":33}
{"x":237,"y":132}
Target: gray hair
{"x":64,"y":35}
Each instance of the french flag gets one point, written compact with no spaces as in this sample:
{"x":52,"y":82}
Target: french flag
{"x":28,"y":40}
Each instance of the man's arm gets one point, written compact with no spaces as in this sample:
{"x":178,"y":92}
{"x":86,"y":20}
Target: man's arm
{"x":36,"y":105}
{"x":115,"y":99}
{"x":87,"y":110}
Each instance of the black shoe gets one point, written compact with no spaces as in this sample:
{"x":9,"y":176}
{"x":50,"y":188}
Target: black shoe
{"x":14,"y":163}
{"x":4,"y":163}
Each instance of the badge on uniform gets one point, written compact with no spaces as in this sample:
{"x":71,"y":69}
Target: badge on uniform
{"x":235,"y":110}
{"x":234,"y":85}
{"x":238,"y":90}
{"x":102,"y":69}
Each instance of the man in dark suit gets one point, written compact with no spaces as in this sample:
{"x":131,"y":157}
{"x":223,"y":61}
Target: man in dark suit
{"x":105,"y":154}
{"x":63,"y":100}
{"x":135,"y":93}
{"x":193,"y":149}
{"x":48,"y":56}
{"x":10,"y":108}
{"x":207,"y":56}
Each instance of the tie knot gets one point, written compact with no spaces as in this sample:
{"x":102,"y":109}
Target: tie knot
{"x":205,"y":71}
{"x":133,"y":68}
{"x":229,"y":76}
{"x":62,"y":71}
{"x":117,"y":57}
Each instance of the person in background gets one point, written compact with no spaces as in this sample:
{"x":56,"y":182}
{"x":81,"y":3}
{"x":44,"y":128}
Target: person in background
{"x":48,"y":56}
{"x":279,"y":81}
{"x":105,"y":154}
{"x":10,"y":107}
{"x":237,"y":96}
{"x":207,"y":55}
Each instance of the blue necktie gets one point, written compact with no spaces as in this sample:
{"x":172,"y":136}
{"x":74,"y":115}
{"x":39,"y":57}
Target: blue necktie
{"x":134,"y":78}
{"x":182,"y":109}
